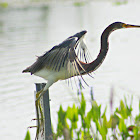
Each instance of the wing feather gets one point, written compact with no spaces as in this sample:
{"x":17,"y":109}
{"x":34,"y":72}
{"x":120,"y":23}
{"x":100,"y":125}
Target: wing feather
{"x":63,"y":56}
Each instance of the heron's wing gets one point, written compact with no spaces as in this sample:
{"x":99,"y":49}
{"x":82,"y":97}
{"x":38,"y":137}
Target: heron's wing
{"x":83,"y":53}
{"x":74,"y":66}
{"x":62,"y":55}
{"x":55,"y":58}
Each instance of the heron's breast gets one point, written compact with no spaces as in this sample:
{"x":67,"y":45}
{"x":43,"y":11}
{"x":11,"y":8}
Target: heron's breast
{"x":53,"y":75}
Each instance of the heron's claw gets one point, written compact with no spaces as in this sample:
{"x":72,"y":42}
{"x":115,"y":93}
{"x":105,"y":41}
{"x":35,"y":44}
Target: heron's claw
{"x":38,"y":105}
{"x":31,"y":126}
{"x":38,"y":95}
{"x":34,"y":119}
{"x":40,"y":111}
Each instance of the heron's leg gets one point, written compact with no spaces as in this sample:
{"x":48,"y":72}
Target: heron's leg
{"x":42,"y":92}
{"x":39,"y":108}
{"x":41,"y":118}
{"x":38,"y":105}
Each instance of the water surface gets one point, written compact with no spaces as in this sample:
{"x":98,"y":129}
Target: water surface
{"x":28,"y":32}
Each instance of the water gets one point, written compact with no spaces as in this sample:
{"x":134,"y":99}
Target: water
{"x":27,"y":32}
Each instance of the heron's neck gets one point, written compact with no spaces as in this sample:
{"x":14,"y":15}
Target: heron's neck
{"x":102,"y":54}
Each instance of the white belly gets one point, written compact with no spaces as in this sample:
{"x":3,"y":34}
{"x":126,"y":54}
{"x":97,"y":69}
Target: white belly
{"x":54,"y":75}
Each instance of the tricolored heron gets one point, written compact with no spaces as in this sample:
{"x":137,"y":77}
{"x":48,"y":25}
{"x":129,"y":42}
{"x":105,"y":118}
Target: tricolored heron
{"x":61,"y":62}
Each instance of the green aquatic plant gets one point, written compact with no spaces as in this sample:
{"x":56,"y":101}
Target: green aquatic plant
{"x":27,"y":137}
{"x":79,"y":3}
{"x":94,"y":125}
{"x":79,"y":122}
{"x":122,"y":2}
{"x":4,"y":4}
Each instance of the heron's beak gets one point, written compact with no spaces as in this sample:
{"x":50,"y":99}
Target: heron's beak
{"x":131,"y":26}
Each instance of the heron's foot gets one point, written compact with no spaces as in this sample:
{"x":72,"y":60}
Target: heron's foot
{"x":37,"y":133}
{"x":38,"y":94}
{"x":40,"y":121}
{"x":34,"y":119}
{"x":40,"y":112}
{"x":40,"y":129}
{"x":38,"y":105}
{"x":31,"y":126}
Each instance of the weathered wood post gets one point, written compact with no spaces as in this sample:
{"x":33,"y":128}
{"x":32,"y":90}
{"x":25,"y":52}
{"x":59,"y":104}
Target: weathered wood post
{"x":44,"y":126}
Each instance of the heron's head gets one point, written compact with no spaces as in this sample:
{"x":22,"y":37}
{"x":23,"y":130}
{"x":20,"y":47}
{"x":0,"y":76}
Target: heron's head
{"x":120,"y":25}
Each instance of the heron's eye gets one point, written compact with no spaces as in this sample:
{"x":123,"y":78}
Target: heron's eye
{"x":124,"y":25}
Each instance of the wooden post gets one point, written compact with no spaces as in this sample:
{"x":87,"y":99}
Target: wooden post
{"x":45,"y":130}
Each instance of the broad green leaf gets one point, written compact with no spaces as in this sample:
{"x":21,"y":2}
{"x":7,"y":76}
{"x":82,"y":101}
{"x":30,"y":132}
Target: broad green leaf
{"x":27,"y":137}
{"x":122,"y":127}
{"x":136,"y":134}
{"x":82,"y":108}
{"x":113,"y":122}
{"x":95,"y":111}
{"x":103,"y":127}
{"x":105,"y":124}
{"x":62,"y":116}
{"x":82,"y":135}
{"x":128,"y":109}
{"x":72,"y":115}
{"x":88,"y":120}
{"x":123,"y":111}
{"x":104,"y":111}
{"x":61,"y":121}
{"x":137,"y":120}
{"x":98,"y":127}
